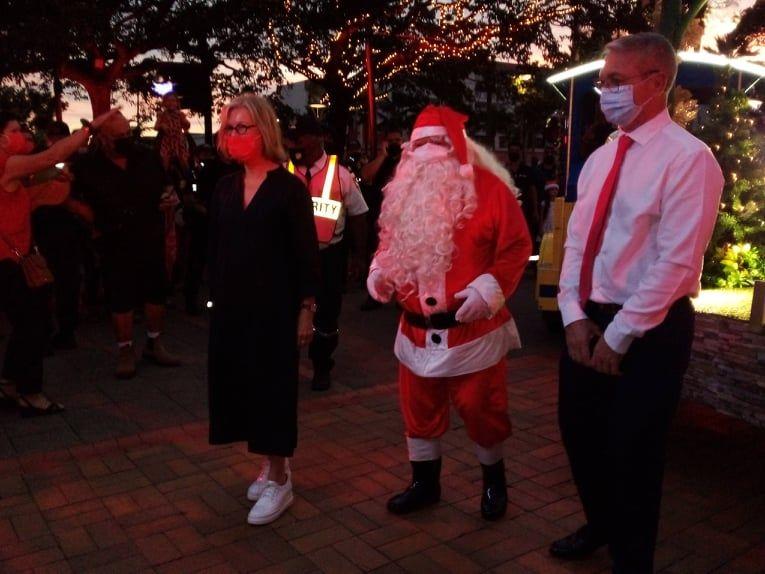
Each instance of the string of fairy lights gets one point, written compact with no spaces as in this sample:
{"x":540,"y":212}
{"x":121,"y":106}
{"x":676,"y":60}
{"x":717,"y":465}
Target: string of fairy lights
{"x":457,"y":31}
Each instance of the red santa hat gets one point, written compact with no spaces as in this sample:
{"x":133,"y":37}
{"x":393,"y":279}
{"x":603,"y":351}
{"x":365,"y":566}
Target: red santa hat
{"x":444,"y":121}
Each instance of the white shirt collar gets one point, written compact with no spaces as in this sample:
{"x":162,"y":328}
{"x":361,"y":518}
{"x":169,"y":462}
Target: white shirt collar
{"x":644,"y":132}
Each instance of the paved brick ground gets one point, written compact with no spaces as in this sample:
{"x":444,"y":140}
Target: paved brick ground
{"x":125,"y":480}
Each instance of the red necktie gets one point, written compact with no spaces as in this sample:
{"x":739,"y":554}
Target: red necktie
{"x":595,"y":237}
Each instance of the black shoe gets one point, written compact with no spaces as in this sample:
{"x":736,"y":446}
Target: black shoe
{"x":370,"y":305}
{"x":424,"y":490}
{"x":494,"y":498}
{"x":322,"y":380}
{"x":580,"y":544}
{"x":64,"y":342}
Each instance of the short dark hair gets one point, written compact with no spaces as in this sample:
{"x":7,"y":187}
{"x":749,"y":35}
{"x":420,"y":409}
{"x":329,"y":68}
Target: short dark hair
{"x":57,"y":130}
{"x":308,"y":125}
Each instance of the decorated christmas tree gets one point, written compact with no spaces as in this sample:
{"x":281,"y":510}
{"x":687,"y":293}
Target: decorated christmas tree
{"x":734,"y":132}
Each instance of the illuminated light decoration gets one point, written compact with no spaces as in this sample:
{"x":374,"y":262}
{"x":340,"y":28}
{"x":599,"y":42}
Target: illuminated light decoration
{"x":691,"y":57}
{"x":574,"y":72}
{"x":209,"y":305}
{"x":754,"y":105}
{"x":162,"y":88}
{"x":454,"y":30}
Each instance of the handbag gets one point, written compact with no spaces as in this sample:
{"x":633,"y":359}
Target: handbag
{"x":33,"y":265}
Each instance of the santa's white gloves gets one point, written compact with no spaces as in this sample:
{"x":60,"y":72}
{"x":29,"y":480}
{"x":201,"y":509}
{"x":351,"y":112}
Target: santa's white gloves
{"x":473,"y":308}
{"x":379,"y":286}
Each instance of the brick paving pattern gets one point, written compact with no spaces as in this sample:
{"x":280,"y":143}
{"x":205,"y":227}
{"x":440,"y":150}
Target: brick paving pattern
{"x":126,"y":482}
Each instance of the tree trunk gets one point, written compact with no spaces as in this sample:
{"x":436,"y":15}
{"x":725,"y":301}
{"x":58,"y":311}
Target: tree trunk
{"x":100,"y":94}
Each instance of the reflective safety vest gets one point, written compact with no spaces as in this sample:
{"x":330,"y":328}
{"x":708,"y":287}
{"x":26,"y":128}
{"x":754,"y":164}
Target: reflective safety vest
{"x":326,"y":196}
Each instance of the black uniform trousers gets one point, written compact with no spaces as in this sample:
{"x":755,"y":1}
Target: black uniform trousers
{"x":28,"y":312}
{"x":63,"y":252}
{"x":614,"y":429}
{"x":329,"y":301}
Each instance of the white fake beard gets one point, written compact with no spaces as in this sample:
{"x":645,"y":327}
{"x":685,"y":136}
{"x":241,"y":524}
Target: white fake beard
{"x":424,"y":203}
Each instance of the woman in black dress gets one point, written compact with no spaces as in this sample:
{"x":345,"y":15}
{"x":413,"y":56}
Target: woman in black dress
{"x":264,"y":267}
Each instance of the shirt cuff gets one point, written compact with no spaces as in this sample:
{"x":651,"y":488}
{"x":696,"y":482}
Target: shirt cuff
{"x":570,"y":312}
{"x":491,"y":292}
{"x":618,"y":341}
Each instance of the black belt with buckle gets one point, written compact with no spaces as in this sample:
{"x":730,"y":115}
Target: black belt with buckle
{"x":435,"y":321}
{"x":604,"y":308}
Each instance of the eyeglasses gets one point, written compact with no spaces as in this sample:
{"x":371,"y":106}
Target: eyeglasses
{"x":240,"y":129}
{"x":616,"y":83}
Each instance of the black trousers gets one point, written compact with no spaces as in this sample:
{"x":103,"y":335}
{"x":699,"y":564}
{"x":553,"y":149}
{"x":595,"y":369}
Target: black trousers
{"x":27,"y":311}
{"x":614,"y":430}
{"x":196,"y":259}
{"x":329,"y":301}
{"x":63,"y":249}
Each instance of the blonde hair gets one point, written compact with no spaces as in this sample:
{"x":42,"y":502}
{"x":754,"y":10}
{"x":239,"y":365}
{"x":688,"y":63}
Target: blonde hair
{"x":264,"y":117}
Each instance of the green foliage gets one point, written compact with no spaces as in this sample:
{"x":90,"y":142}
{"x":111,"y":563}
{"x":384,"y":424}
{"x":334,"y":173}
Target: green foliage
{"x":27,"y":103}
{"x":738,"y":266}
{"x":730,"y":128}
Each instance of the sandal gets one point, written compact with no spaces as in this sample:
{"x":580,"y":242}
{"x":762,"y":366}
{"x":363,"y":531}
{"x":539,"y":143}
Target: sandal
{"x":28,"y":410}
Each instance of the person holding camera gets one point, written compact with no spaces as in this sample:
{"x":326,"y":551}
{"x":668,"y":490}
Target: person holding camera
{"x":24,"y":278}
{"x":123,"y":183}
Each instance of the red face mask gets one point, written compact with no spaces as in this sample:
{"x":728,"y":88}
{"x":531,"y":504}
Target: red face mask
{"x":18,"y":144}
{"x":243,"y":148}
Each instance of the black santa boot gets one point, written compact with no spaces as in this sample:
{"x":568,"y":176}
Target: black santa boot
{"x":494,"y":499}
{"x":424,"y":490}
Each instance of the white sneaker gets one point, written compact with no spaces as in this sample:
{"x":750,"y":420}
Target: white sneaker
{"x":273,"y":501}
{"x":256,"y":488}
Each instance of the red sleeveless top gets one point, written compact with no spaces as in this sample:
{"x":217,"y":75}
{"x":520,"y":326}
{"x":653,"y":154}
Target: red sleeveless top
{"x":15,"y":219}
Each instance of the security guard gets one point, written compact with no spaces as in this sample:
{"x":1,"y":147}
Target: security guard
{"x":338,"y":204}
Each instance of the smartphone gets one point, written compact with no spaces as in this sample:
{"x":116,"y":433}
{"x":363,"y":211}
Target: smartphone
{"x":60,"y":165}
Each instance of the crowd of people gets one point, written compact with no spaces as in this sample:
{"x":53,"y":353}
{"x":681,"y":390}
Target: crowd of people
{"x":436,"y":224}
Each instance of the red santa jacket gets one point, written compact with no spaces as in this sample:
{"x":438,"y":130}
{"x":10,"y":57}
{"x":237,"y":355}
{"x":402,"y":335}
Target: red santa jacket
{"x":492,"y":250}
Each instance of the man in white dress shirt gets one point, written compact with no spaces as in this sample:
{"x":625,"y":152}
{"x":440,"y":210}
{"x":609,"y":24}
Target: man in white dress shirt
{"x":647,"y":204}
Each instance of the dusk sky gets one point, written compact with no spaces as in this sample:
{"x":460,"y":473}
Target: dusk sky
{"x":722,"y":18}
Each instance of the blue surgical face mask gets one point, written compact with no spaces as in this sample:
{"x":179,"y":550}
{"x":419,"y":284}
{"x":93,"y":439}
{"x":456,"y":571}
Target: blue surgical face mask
{"x":618,"y":105}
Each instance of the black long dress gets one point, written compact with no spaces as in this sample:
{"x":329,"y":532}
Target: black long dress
{"x":264,"y":261}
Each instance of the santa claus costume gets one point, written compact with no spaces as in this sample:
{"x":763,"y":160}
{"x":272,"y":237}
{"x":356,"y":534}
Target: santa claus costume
{"x":453,"y":247}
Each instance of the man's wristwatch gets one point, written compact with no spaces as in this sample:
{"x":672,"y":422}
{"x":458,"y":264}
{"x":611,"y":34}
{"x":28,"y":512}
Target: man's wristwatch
{"x":309,"y":307}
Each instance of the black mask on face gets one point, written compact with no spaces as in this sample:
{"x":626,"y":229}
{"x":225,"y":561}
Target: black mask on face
{"x":394,"y":149}
{"x":296,"y":155}
{"x":123,"y":146}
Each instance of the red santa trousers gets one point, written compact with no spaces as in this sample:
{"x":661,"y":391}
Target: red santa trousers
{"x":480,"y":399}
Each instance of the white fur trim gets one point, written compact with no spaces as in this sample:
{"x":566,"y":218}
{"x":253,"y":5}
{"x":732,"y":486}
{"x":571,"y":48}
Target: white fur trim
{"x":373,"y":273}
{"x":427,"y":131}
{"x":490,"y":291}
{"x":422,"y":449}
{"x":490,"y":455}
{"x":484,"y":158}
{"x":473,"y":356}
